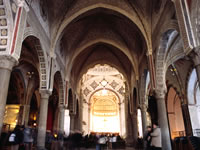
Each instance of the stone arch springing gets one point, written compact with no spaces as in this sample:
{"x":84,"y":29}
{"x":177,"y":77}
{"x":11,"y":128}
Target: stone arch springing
{"x":160,"y":60}
{"x":16,"y":86}
{"x":43,"y":65}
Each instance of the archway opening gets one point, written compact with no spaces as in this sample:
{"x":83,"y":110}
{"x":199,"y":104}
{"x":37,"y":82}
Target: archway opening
{"x":104,"y":112}
{"x":103,"y":91}
{"x":175,"y":115}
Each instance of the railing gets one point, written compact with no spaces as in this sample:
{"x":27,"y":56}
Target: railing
{"x":178,"y":134}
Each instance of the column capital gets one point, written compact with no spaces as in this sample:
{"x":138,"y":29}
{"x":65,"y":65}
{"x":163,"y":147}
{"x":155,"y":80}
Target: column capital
{"x":160,"y":94}
{"x":61,"y":107}
{"x":143,"y":107}
{"x":195,"y":57}
{"x":149,"y":53}
{"x":45,"y":93}
{"x":23,"y":3}
{"x":7,"y":62}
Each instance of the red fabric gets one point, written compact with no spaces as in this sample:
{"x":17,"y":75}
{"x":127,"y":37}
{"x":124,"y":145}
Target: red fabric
{"x":50,"y":118}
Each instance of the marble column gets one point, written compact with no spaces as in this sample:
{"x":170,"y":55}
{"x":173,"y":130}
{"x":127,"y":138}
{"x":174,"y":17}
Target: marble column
{"x":43,"y":119}
{"x":163,"y":122}
{"x":6,"y":65}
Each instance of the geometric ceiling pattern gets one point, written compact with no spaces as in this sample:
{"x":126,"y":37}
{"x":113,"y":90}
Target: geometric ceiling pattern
{"x":102,"y":77}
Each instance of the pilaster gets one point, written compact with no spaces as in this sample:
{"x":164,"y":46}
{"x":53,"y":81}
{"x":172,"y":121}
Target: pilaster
{"x":19,"y":27}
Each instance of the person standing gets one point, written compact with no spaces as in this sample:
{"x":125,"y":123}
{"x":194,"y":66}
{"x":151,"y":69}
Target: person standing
{"x":16,"y":138}
{"x":156,"y":138}
{"x":147,"y":138}
{"x":28,"y":138}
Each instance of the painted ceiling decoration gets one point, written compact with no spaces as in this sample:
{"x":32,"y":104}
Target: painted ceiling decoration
{"x":102,"y":77}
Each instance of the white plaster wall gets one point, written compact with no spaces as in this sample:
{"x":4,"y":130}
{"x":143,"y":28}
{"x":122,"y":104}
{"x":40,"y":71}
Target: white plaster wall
{"x":195,"y":116}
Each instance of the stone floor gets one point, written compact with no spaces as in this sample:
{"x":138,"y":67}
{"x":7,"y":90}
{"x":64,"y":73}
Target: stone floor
{"x":127,"y":148}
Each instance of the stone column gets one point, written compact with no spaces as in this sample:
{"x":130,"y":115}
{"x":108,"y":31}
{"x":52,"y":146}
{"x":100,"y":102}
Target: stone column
{"x":26,"y":114}
{"x":43,"y":119}
{"x":128,"y":121}
{"x":6,"y":64}
{"x":144,"y":122}
{"x":163,"y":122}
{"x":135,"y":127}
{"x":144,"y":117}
{"x":81,"y":114}
{"x":29,"y":94}
{"x":61,"y":124}
{"x":187,"y":121}
{"x":61,"y":119}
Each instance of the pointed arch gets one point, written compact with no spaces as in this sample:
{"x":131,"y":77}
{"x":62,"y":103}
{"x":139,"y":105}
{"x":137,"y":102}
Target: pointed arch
{"x":71,"y":16}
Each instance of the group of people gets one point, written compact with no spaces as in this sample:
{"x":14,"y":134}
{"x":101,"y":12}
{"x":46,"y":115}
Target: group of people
{"x":105,"y":140}
{"x":21,"y":138}
{"x":153,"y":138}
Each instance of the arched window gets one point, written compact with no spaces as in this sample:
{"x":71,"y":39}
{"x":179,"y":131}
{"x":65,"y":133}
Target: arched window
{"x":139,"y":119}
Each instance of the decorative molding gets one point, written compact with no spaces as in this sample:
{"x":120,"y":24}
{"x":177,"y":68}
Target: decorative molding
{"x":185,"y":26}
{"x":7,"y":62}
